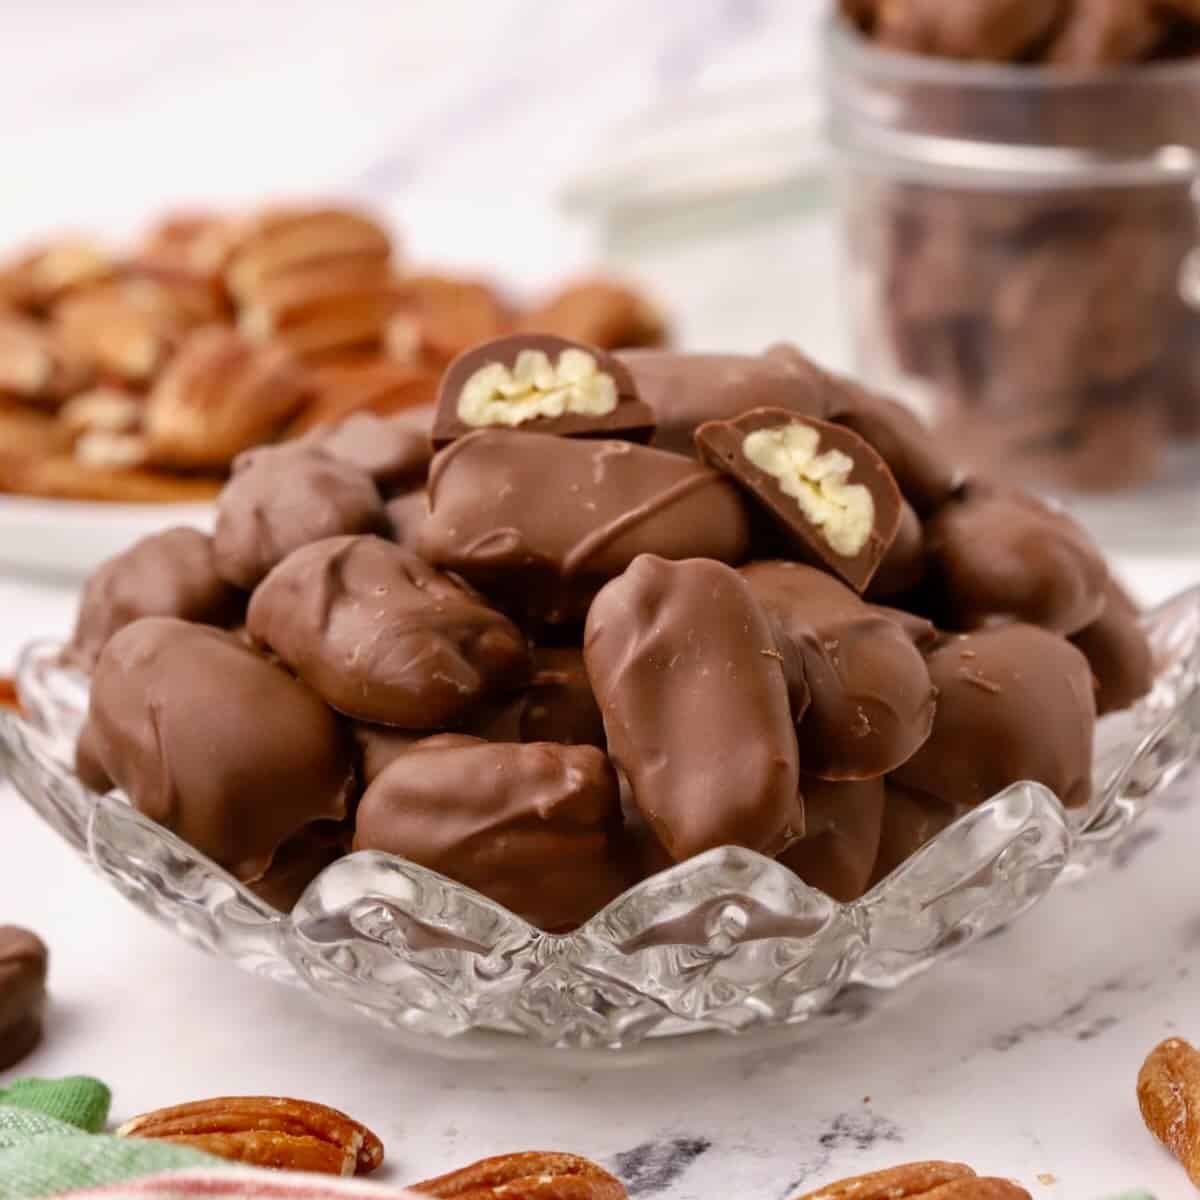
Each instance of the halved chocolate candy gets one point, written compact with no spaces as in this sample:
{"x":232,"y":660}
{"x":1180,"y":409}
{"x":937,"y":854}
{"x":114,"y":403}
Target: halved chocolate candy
{"x":829,"y":491}
{"x":539,"y":383}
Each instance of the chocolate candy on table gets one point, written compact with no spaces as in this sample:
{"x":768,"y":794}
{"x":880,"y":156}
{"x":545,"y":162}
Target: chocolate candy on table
{"x":1014,"y":702}
{"x":216,"y":743}
{"x":392,"y":452}
{"x":1001,"y":554}
{"x":541,"y":524}
{"x":382,"y":636}
{"x":686,"y":390}
{"x":88,"y":766}
{"x":826,"y":488}
{"x":691,"y":684}
{"x":24,"y":960}
{"x":1118,"y":651}
{"x":283,"y":497}
{"x":299,"y":861}
{"x":168,"y":574}
{"x":535,"y":827}
{"x":871,"y":701}
{"x":841,"y":837}
{"x":540,"y":383}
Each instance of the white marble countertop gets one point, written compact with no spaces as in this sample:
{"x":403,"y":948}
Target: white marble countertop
{"x":462,"y":121}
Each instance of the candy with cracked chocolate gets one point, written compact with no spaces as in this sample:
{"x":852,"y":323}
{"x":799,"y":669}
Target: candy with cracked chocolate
{"x":692,"y":688}
{"x":24,"y":961}
{"x":382,"y":636}
{"x":214,"y":742}
{"x":565,"y":515}
{"x":540,"y":383}
{"x":871,"y":701}
{"x":826,"y":488}
{"x":535,"y":827}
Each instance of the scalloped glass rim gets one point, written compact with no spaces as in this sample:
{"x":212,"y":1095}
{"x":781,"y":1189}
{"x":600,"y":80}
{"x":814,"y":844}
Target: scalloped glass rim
{"x":730,"y":941}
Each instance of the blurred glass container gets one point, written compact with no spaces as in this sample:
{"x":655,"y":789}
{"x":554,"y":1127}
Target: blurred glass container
{"x":1022,"y":267}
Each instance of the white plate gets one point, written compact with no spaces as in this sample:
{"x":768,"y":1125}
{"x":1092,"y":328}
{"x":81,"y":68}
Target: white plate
{"x":71,"y":537}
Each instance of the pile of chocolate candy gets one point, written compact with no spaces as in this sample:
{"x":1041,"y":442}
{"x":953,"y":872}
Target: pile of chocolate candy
{"x":552,"y":659}
{"x":140,"y":373}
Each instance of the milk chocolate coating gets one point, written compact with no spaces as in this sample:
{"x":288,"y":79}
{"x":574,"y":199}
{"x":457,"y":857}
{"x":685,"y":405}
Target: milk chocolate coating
{"x":534,"y":827}
{"x":689,"y":680}
{"x":1014,"y":702}
{"x":841,"y":840}
{"x":541,"y":525}
{"x":980,"y":30}
{"x":1118,"y":651}
{"x":872,"y":701}
{"x":88,"y":767}
{"x":556,"y":705}
{"x":24,"y":961}
{"x":299,"y":861}
{"x":283,"y":497}
{"x":927,"y":477}
{"x":686,"y":390}
{"x":721,"y":445}
{"x":381,"y":636}
{"x":168,"y":574}
{"x":631,"y":418}
{"x":380,"y":745}
{"x":997,"y":554}
{"x":214,"y":742}
{"x":394,"y":454}
{"x":910,"y":819}
{"x":407,"y":514}
{"x":903,"y":566}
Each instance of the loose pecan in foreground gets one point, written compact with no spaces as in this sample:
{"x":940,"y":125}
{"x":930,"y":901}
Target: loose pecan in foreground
{"x":1168,"y":1092}
{"x":534,"y":1175}
{"x":265,"y":1131}
{"x":920,"y":1181}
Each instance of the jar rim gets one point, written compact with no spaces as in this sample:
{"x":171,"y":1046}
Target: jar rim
{"x":848,"y":45}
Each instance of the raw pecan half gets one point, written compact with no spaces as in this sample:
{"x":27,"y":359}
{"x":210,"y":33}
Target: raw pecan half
{"x":265,"y":1131}
{"x":1168,"y":1092}
{"x":534,"y":1175}
{"x":920,"y":1181}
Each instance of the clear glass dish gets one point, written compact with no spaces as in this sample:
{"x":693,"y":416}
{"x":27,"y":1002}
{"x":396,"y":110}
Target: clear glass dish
{"x":728,"y":942}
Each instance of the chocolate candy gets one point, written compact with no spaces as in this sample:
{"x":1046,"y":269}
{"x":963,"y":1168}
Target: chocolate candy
{"x":910,"y":819}
{"x":830,"y":493}
{"x":541,"y":525}
{"x":380,"y":635}
{"x":534,"y":827}
{"x":214,"y":742}
{"x":88,"y":766}
{"x":168,"y":574}
{"x":925,"y":475}
{"x":380,"y":745}
{"x":982,"y":30}
{"x":407,"y":514}
{"x":686,"y":390}
{"x":1118,"y":651}
{"x":299,"y":861}
{"x":997,"y":554}
{"x":903,"y":566}
{"x":24,"y":960}
{"x":394,"y":454}
{"x":540,"y":383}
{"x":841,"y":836}
{"x":556,"y":705}
{"x":691,"y":684}
{"x":282,"y":498}
{"x":871,"y":700}
{"x":1014,"y":702}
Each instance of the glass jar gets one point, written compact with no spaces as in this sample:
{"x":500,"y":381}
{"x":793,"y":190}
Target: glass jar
{"x":1021,"y":264}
